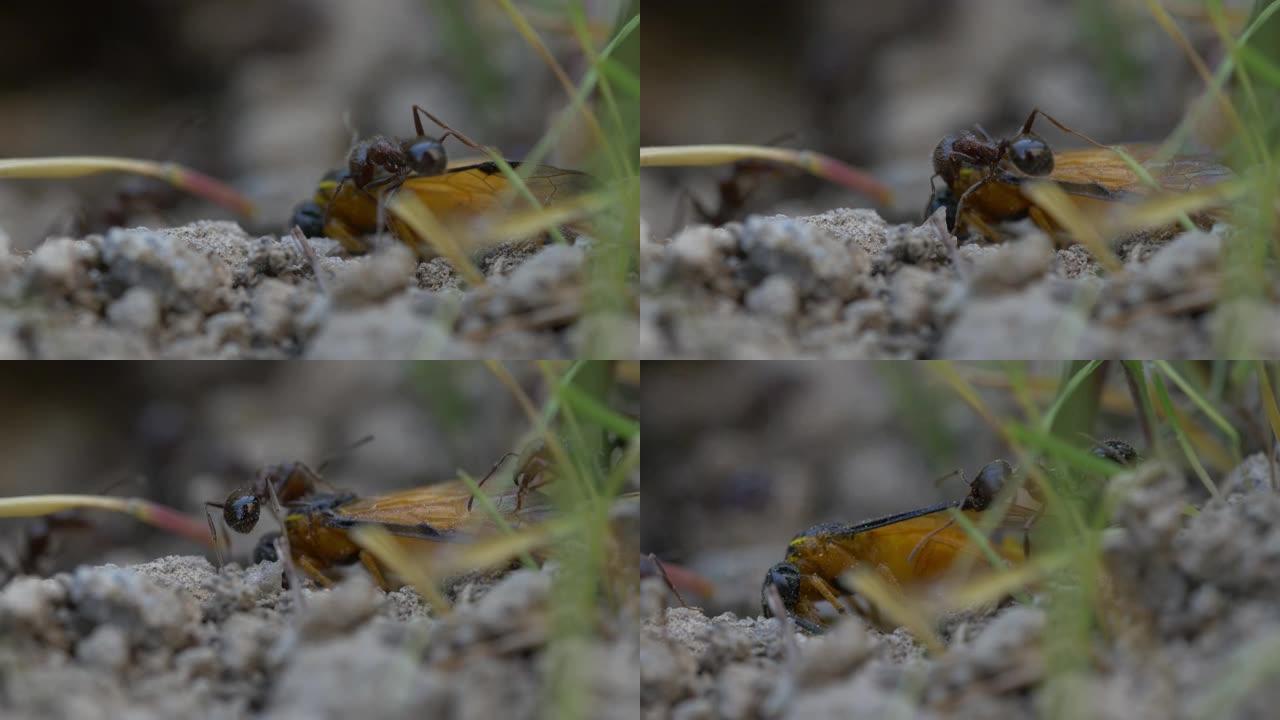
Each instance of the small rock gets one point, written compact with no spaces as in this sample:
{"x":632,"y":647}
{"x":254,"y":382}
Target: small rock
{"x":776,"y":297}
{"x":1013,"y":265}
{"x":374,"y":277}
{"x":106,"y":648}
{"x":137,"y":310}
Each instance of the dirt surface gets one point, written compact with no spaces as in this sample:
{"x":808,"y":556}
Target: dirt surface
{"x":1190,"y":630}
{"x":846,"y":284}
{"x":176,"y":638}
{"x":210,"y":290}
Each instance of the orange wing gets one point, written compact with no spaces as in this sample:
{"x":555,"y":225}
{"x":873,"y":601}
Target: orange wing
{"x":443,"y":507}
{"x":481,"y":187}
{"x":940,"y":542}
{"x":1102,"y":173}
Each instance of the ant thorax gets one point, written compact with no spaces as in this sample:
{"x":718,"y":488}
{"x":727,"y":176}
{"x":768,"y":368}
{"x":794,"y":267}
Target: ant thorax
{"x":382,"y":160}
{"x":376,"y":159}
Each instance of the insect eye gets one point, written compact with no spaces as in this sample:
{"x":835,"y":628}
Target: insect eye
{"x":942,"y":197}
{"x":308,"y":216}
{"x":1031,"y":154}
{"x":988,"y":484}
{"x":426,"y":157}
{"x":785,"y":577}
{"x":241,"y":511}
{"x":265,"y":550}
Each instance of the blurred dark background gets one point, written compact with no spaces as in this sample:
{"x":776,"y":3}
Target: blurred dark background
{"x":741,"y":456}
{"x":879,"y":84}
{"x":265,"y":95}
{"x":184,"y":433}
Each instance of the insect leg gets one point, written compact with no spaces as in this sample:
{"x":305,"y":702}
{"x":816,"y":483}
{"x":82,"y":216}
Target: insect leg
{"x":371,"y":564}
{"x":915,"y":551}
{"x":284,"y":551}
{"x":1041,"y":220}
{"x":290,"y":572}
{"x":530,"y":480}
{"x":827,"y":592}
{"x":965,"y":196}
{"x":313,"y":571}
{"x":217,"y":544}
{"x":662,"y":571}
{"x":417,"y":124}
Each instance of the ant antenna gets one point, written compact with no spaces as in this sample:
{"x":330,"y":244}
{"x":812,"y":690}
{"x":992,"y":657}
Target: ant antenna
{"x":344,"y":452}
{"x":213,"y":530}
{"x":1026,"y":127}
{"x":350,"y":126}
{"x":492,"y":470}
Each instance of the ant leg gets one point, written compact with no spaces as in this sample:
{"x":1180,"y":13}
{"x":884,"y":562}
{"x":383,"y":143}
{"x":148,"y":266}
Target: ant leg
{"x":915,"y":551}
{"x":417,"y":124}
{"x":530,"y":481}
{"x":284,"y":550}
{"x":290,"y":572}
{"x":965,"y":196}
{"x":662,"y":570}
{"x":217,"y":545}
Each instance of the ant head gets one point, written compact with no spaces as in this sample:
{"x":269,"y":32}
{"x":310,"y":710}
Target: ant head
{"x":241,"y":510}
{"x":785,"y":577}
{"x":1117,"y":451}
{"x":425,"y":156}
{"x":944,"y":158}
{"x":987,"y":485}
{"x":1031,"y":154}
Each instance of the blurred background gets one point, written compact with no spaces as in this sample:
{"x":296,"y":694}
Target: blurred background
{"x":879,"y":84}
{"x":185,"y":433}
{"x":265,"y":95}
{"x":742,"y":456}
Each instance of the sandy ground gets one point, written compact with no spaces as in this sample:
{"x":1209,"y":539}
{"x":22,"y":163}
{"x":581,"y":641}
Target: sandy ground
{"x":210,"y":290}
{"x":845,"y":284}
{"x":1190,"y":627}
{"x":176,"y":638}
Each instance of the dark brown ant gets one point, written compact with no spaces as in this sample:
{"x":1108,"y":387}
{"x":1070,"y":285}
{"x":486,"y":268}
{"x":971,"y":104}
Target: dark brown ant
{"x":277,"y":484}
{"x":386,"y":161}
{"x":382,"y":162}
{"x":1027,"y":152}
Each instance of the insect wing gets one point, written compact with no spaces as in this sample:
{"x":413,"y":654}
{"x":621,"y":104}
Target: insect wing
{"x":441,"y":507}
{"x":480,"y":188}
{"x":1104,"y":174}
